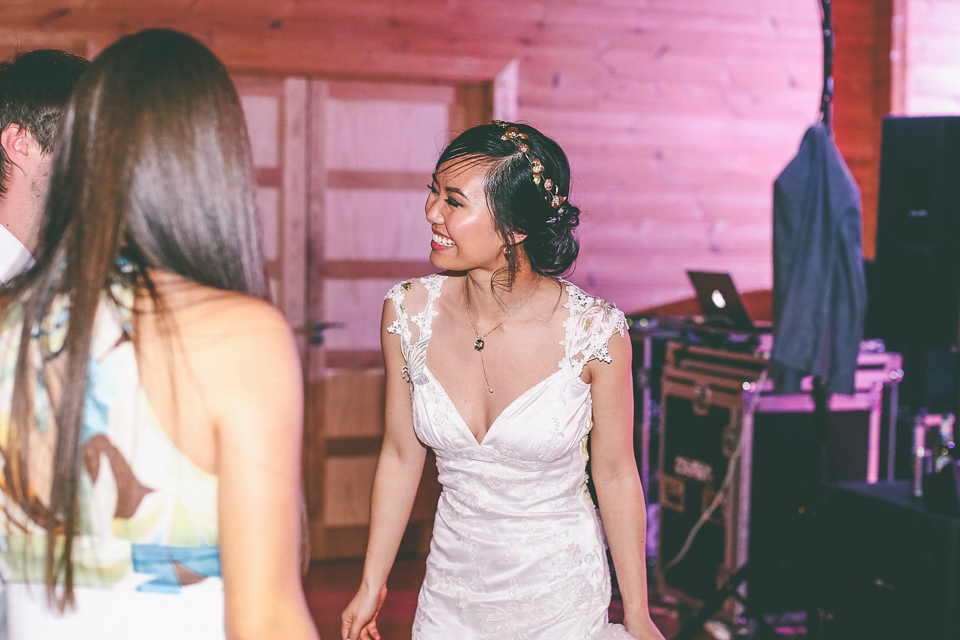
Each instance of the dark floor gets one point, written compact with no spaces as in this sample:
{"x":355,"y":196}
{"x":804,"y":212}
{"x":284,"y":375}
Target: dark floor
{"x":330,"y":585}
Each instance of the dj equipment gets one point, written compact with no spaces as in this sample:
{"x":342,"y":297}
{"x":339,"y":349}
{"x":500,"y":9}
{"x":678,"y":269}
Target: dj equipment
{"x":650,"y":336}
{"x":720,"y":302}
{"x":729,"y":442}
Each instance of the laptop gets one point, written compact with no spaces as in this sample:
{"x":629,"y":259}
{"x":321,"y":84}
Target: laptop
{"x":720,"y":302}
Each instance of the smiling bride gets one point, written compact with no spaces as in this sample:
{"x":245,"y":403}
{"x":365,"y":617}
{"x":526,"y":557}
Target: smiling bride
{"x":504,"y":369}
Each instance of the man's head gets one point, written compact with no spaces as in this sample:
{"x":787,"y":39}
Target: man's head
{"x":34,"y":88}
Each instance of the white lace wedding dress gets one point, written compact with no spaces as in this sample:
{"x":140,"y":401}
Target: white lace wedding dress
{"x":517,"y":549}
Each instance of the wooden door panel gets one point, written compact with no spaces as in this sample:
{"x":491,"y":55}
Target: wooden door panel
{"x":268,"y":204}
{"x":371,"y":163}
{"x":382,"y":135}
{"x":275,"y":110}
{"x":342,"y":170}
{"x":346,"y":490}
{"x":374,"y":146}
{"x":357,"y":304}
{"x":390,"y":215}
{"x":261,"y":105}
{"x":348,"y":421}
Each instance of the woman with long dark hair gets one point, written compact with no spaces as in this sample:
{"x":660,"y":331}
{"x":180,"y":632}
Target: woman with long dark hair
{"x":150,"y":398}
{"x":504,"y":369}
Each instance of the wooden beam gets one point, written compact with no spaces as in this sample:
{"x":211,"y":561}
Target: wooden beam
{"x":381,"y":269}
{"x":353,"y":446}
{"x":353,"y":358}
{"x":353,"y":179}
{"x":269,"y":177}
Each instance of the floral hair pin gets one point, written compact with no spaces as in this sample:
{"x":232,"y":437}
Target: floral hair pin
{"x":552,"y":196}
{"x":516,"y":137}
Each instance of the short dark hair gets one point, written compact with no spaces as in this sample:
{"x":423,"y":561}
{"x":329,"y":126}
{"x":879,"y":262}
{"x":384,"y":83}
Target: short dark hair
{"x":520,"y":204}
{"x":34,"y":88}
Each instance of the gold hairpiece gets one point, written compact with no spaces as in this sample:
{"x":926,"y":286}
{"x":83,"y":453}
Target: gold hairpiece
{"x":514,"y":135}
{"x":553,"y":197}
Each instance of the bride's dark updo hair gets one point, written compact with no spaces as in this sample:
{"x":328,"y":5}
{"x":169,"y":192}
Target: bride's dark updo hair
{"x":527,"y":183}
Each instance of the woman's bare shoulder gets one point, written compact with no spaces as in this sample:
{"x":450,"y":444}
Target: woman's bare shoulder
{"x":223,"y":333}
{"x":203,"y":310}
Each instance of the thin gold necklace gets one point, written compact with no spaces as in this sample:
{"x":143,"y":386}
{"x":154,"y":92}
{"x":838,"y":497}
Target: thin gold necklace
{"x":479,"y":344}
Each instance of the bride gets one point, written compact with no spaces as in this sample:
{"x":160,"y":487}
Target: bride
{"x":504,"y":370}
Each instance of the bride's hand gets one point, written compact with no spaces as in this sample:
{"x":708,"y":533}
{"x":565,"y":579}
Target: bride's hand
{"x":359,"y":619}
{"x":643,"y":629}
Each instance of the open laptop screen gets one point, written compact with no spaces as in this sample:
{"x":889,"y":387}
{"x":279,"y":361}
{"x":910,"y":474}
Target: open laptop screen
{"x":720,"y":302}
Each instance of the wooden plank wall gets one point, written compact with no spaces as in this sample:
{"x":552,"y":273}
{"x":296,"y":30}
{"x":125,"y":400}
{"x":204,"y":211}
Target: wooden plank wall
{"x":719,"y":98}
{"x":863,"y":95}
{"x":932,"y":57}
{"x":677,"y":114}
{"x":892,"y":57}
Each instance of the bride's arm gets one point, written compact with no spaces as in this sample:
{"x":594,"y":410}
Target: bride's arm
{"x":615,"y":476}
{"x":394,"y":489}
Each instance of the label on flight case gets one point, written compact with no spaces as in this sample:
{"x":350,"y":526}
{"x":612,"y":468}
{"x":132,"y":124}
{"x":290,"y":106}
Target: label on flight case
{"x":693,"y":469}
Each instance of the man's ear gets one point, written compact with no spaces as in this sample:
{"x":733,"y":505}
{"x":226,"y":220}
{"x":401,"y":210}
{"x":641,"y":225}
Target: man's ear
{"x":14,"y":143}
{"x":17,"y":143}
{"x":21,"y":148}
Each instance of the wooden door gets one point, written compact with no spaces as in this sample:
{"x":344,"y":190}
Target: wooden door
{"x":373,"y":148}
{"x":342,"y":173}
{"x":276,"y":113}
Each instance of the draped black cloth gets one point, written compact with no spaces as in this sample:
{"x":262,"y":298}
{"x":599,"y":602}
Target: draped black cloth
{"x":819,"y":287}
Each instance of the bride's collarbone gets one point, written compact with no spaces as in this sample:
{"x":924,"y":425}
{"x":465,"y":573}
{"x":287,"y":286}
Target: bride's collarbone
{"x":517,"y":357}
{"x":506,"y":368}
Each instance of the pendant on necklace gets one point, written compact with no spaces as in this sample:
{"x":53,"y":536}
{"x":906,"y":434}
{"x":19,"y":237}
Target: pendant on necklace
{"x":490,"y":389}
{"x":478,"y":345}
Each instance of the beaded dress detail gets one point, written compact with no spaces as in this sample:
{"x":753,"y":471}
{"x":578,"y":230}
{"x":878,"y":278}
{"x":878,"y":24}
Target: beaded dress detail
{"x":517,"y":549}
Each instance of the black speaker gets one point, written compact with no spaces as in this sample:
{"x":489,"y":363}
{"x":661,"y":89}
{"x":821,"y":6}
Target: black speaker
{"x":914,"y":283}
{"x":889,"y":565}
{"x":917,"y":270}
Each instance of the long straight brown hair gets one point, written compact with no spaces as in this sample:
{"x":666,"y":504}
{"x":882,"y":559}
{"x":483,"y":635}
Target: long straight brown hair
{"x":152,"y":171}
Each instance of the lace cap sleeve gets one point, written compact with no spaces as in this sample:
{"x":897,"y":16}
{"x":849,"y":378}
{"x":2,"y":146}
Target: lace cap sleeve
{"x":397,"y":293}
{"x":591,"y":324}
{"x":414,"y":348}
